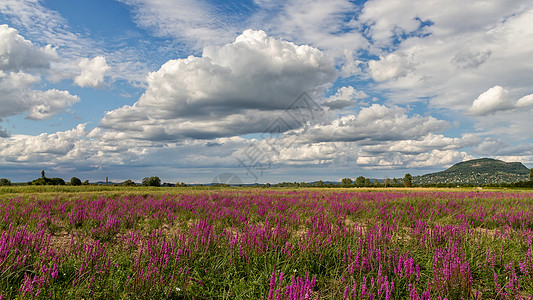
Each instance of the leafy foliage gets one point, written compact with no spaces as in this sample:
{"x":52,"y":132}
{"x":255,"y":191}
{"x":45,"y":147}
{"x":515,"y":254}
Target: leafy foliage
{"x":346,"y":181}
{"x":75,"y":181}
{"x":407,"y":180}
{"x":129,"y":183}
{"x":4,"y":182}
{"x":151,"y":181}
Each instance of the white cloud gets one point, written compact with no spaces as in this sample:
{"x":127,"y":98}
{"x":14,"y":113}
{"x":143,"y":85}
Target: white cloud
{"x":17,"y":53}
{"x":461,"y":51}
{"x":497,"y":99}
{"x":321,"y":24}
{"x":194,"y":21}
{"x":389,"y":67}
{"x":344,"y":97}
{"x":45,"y":26}
{"x":395,"y":160}
{"x":424,"y":144}
{"x":35,"y":148}
{"x":373,"y":124}
{"x":18,"y":57}
{"x":494,"y":99}
{"x":17,"y":97}
{"x":230,"y":90}
{"x":92,"y":72}
{"x":390,"y":21}
{"x":525,"y":101}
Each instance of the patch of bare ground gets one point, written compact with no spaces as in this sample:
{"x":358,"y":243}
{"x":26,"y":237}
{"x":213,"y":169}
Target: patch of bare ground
{"x":170,"y":230}
{"x":301,"y":231}
{"x":487,"y":232}
{"x":61,"y":240}
{"x":357,"y":226}
{"x":403,"y":234}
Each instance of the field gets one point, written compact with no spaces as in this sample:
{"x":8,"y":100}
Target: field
{"x":265,"y":244}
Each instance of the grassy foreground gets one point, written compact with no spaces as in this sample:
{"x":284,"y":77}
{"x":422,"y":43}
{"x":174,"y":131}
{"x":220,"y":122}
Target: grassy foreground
{"x":140,"y":243}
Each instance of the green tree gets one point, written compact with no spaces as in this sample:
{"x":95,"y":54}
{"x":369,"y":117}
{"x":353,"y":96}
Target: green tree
{"x":129,"y":183}
{"x":367,"y":182}
{"x":360,"y":181}
{"x":55,"y":181}
{"x":387,"y":182}
{"x":407,"y":180}
{"x":151,"y":181}
{"x":346,"y":182}
{"x":5,"y":181}
{"x":320,"y":183}
{"x":531,"y":174}
{"x":42,"y":175}
{"x":75,"y":181}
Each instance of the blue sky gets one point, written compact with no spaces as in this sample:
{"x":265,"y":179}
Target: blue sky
{"x":265,"y":90}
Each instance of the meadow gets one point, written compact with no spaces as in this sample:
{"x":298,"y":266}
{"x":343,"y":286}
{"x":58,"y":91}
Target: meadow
{"x":180,"y":243}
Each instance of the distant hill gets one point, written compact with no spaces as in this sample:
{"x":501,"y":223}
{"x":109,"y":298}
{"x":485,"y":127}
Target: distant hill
{"x":478,"y":172}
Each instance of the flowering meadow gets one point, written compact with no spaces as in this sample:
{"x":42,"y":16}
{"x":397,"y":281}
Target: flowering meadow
{"x":267,"y":244}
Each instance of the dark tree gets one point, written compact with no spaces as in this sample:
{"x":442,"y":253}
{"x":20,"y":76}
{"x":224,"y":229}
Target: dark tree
{"x":531,"y":174}
{"x":42,"y":175}
{"x":5,"y":181}
{"x":151,"y":181}
{"x":129,"y":183}
{"x":387,"y":182}
{"x":346,"y":182}
{"x":407,"y":180}
{"x":75,"y":181}
{"x":55,"y":181}
{"x":360,"y":181}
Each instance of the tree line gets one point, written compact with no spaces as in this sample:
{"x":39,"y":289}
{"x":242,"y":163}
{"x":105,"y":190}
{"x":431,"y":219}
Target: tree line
{"x":360,"y":181}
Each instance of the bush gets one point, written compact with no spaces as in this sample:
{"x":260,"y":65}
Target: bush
{"x":5,"y":181}
{"x":151,"y":181}
{"x":75,"y":181}
{"x":48,"y":181}
{"x":56,"y":181}
{"x":129,"y":183}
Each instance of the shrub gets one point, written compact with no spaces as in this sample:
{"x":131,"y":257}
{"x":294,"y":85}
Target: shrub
{"x":129,"y":183}
{"x":75,"y":181}
{"x":151,"y":181}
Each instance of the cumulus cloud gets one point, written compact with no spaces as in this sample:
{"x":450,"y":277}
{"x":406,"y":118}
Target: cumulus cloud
{"x":234,"y":89}
{"x":393,"y":160}
{"x":374,"y":123}
{"x":492,"y":100}
{"x":92,"y":72}
{"x":497,"y":99}
{"x":17,"y":53}
{"x":389,"y":67}
{"x":19,"y":57}
{"x":35,"y":148}
{"x":344,"y":97}
{"x":525,"y":101}
{"x":423,"y":144}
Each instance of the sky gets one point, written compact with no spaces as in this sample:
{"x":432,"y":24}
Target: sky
{"x":262,"y":90}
